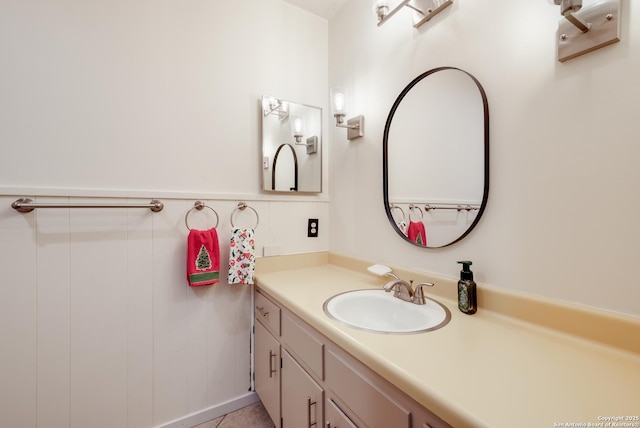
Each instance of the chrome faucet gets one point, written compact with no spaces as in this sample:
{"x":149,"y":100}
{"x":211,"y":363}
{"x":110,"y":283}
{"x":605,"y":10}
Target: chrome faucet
{"x":404,"y":290}
{"x":401,"y":289}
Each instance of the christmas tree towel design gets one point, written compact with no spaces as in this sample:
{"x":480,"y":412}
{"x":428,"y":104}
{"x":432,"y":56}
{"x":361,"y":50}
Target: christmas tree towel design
{"x":417,"y":233}
{"x":242,"y":258}
{"x":203,"y":257}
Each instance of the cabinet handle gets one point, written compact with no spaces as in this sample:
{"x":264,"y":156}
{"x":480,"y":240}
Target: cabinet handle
{"x":329,"y":425}
{"x":309,"y":404}
{"x":262,"y":311}
{"x":272,"y":370}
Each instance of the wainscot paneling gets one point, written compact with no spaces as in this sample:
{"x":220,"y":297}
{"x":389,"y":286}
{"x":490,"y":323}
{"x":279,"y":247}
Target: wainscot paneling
{"x":98,"y":326}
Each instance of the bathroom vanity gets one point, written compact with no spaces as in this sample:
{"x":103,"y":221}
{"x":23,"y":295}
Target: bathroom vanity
{"x":301,"y":375}
{"x":547,"y":363}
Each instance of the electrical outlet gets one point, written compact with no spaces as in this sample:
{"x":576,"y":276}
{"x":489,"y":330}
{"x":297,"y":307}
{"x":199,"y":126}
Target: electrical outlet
{"x":312,"y":228}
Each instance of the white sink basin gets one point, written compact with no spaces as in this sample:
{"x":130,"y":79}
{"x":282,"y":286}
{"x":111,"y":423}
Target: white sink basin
{"x":379,"y":311}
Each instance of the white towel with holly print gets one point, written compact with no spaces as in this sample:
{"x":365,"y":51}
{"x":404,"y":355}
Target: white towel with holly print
{"x":242,"y":257}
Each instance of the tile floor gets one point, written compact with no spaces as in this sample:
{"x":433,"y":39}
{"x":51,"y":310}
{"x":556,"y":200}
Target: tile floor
{"x":252,"y":416}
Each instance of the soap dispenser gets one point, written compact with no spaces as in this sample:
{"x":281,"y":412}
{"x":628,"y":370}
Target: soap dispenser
{"x":466,"y":290}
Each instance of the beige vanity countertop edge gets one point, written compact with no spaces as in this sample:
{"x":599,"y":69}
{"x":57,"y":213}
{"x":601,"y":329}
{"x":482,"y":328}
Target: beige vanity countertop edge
{"x":488,"y":369}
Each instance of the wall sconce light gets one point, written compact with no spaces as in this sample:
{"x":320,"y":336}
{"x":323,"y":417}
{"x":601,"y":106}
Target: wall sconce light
{"x":355,"y":125}
{"x":586,"y":29}
{"x":423,"y":10}
{"x":297,"y":127}
{"x":271,"y":105}
{"x":297,"y":132}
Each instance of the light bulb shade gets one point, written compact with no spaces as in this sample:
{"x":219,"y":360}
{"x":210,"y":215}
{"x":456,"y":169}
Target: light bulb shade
{"x":339,"y":100}
{"x":297,"y":126}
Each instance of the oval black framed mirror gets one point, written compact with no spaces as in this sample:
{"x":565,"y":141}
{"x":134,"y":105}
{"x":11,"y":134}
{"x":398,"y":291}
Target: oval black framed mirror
{"x":436,"y":158}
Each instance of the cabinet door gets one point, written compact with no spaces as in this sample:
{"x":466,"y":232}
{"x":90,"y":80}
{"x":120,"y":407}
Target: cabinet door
{"x":335,"y":418}
{"x":368,"y":403}
{"x":302,"y":397}
{"x":267,"y":371}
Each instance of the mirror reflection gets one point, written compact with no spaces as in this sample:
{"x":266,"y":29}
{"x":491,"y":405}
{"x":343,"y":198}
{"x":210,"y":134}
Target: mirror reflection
{"x":436,"y":158}
{"x":284,"y":174}
{"x":291,"y":146}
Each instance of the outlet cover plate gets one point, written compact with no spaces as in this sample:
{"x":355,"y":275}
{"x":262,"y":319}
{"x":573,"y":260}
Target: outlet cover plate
{"x":312,"y":228}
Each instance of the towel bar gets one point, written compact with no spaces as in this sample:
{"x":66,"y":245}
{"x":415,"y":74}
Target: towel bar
{"x":467,"y":207}
{"x":26,"y":205}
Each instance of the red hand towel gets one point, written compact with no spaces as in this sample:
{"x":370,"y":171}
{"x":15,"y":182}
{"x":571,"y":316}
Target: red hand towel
{"x":417,"y":233}
{"x":203,"y":257}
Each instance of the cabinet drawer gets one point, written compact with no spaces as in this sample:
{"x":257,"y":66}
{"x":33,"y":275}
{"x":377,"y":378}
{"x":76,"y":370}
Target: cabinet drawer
{"x":304,"y":345}
{"x":368,"y":403}
{"x":268,"y":313}
{"x":335,"y":418}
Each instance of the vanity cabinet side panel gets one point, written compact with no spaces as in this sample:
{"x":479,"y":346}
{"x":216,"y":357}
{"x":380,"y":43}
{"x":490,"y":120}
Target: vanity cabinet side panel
{"x":302,"y":397}
{"x":267,"y":371}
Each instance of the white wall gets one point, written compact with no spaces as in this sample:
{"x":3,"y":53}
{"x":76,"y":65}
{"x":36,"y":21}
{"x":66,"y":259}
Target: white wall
{"x":561,"y":220}
{"x":122,"y":101}
{"x":147,"y":94}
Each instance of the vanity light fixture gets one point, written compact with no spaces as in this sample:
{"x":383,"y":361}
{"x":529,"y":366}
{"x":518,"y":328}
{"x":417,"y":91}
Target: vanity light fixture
{"x":423,"y":10}
{"x":297,"y":132}
{"x":272,"y":105}
{"x":297,"y":127}
{"x":355,"y":125}
{"x":586,"y":29}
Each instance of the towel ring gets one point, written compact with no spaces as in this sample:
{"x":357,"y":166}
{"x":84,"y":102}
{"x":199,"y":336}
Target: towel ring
{"x":241,"y":207}
{"x":199,"y":205}
{"x":395,"y":207}
{"x":413,"y":207}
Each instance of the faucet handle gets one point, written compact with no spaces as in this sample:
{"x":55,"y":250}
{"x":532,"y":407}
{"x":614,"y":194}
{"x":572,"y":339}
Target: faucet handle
{"x":401,"y":289}
{"x":418,"y":293}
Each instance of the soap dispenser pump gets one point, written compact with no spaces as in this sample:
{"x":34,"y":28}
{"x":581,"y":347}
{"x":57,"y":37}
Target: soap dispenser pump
{"x":467,"y":301}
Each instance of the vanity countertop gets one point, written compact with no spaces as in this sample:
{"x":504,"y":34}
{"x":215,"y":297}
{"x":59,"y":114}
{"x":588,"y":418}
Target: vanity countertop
{"x":487,"y":369}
